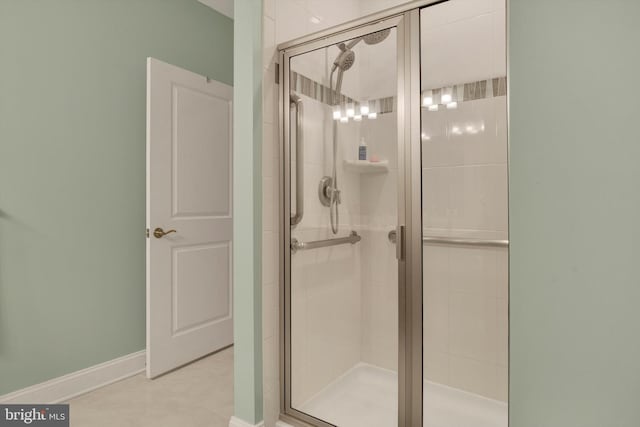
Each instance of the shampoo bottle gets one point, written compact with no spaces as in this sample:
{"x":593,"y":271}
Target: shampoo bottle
{"x":362,"y":150}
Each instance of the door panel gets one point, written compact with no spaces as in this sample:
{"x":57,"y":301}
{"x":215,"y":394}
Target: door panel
{"x":189,"y":294}
{"x":201,"y":294}
{"x":465,"y":215}
{"x":201,"y":169}
{"x":343,"y":283}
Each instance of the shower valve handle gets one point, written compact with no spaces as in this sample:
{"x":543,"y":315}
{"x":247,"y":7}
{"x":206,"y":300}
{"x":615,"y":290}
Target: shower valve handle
{"x":337,"y":195}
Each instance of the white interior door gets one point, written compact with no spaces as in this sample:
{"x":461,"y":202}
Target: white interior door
{"x":189,"y":292}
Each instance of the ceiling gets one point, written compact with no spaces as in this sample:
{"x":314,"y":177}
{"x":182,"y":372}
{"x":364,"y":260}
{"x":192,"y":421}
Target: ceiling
{"x":223,"y":6}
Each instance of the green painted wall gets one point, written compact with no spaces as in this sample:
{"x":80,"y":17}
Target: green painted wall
{"x":72,"y":171}
{"x":575,"y":213}
{"x":247,"y":208}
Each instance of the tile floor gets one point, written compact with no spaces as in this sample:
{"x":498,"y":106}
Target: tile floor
{"x":199,"y":394}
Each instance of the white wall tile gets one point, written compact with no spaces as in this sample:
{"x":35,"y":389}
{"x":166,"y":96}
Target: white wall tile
{"x":333,"y":315}
{"x":476,"y":141}
{"x":463,"y":41}
{"x":270,"y":310}
{"x":435,"y":267}
{"x":453,"y":11}
{"x":436,"y":366}
{"x":474,"y":270}
{"x":380,"y":324}
{"x":269,"y":8}
{"x":268,"y":215}
{"x":312,"y":65}
{"x":501,"y":119}
{"x":268,"y":202}
{"x":269,"y":41}
{"x":268,"y":147}
{"x":436,"y":318}
{"x":436,"y":191}
{"x":270,"y":363}
{"x":474,"y":376}
{"x":502,"y":339}
{"x":269,"y":97}
{"x":381,"y":136}
{"x":473,"y":326}
{"x":269,"y":252}
{"x":499,"y":41}
{"x":459,"y":52}
{"x":502,"y":280}
{"x":502,"y":392}
{"x":299,"y":283}
{"x":478,"y":197}
{"x":292,"y":19}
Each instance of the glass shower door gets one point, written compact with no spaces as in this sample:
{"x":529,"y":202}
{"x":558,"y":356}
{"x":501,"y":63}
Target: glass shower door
{"x":465,"y":234}
{"x":341,"y":191}
{"x":395,"y":263}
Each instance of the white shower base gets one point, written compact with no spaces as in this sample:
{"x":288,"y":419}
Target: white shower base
{"x":366,"y":396}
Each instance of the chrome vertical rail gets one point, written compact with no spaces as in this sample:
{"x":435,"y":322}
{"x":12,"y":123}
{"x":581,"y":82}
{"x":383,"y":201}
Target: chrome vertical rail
{"x":284,"y":219}
{"x":404,"y":370}
{"x":413,"y":205}
{"x":409,"y":247}
{"x":296,"y":102}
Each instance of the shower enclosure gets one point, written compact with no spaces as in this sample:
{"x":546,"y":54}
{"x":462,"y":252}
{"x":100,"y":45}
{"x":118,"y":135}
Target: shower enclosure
{"x":394,"y":228}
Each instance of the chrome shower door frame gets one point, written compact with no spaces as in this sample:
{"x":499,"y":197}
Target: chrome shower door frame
{"x":409,"y":247}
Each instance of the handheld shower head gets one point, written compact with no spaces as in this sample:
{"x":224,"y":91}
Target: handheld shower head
{"x":345,"y":59}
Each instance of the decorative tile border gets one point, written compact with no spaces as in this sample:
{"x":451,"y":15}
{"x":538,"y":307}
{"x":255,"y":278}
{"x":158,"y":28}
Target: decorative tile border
{"x":314,"y":90}
{"x":499,"y":86}
{"x":386,"y":105}
{"x":463,"y":92}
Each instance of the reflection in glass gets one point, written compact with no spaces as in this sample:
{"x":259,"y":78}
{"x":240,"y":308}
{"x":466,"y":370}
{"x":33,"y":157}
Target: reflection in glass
{"x":344,"y":302}
{"x":464,"y":193}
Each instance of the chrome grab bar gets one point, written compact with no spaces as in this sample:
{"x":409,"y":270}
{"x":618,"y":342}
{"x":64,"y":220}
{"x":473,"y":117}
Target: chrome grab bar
{"x":297,"y":245}
{"x":296,"y":102}
{"x":457,"y":242}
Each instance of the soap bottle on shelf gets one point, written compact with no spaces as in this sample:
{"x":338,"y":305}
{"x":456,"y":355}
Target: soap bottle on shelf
{"x":362,"y":150}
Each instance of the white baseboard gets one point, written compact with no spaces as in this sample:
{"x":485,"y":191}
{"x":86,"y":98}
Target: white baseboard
{"x":237,"y":422}
{"x":76,"y":383}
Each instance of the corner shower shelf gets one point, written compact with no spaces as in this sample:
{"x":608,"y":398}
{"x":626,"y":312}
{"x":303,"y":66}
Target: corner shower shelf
{"x":365,"y":166}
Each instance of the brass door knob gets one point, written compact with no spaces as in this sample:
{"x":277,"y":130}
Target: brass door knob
{"x":159,"y":233}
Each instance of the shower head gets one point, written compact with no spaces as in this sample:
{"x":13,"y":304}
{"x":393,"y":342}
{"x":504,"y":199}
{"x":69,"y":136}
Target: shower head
{"x":377,"y":37}
{"x":345,"y":59}
{"x":372,"y":38}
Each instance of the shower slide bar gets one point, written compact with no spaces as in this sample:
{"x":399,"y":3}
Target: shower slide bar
{"x":297,"y":245}
{"x":457,"y":242}
{"x":296,"y":102}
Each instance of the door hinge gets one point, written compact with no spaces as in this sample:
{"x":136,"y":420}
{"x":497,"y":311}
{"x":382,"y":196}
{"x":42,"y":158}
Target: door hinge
{"x":277,"y":67}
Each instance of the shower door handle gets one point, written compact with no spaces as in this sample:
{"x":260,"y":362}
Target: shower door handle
{"x":296,"y":102}
{"x":399,"y":241}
